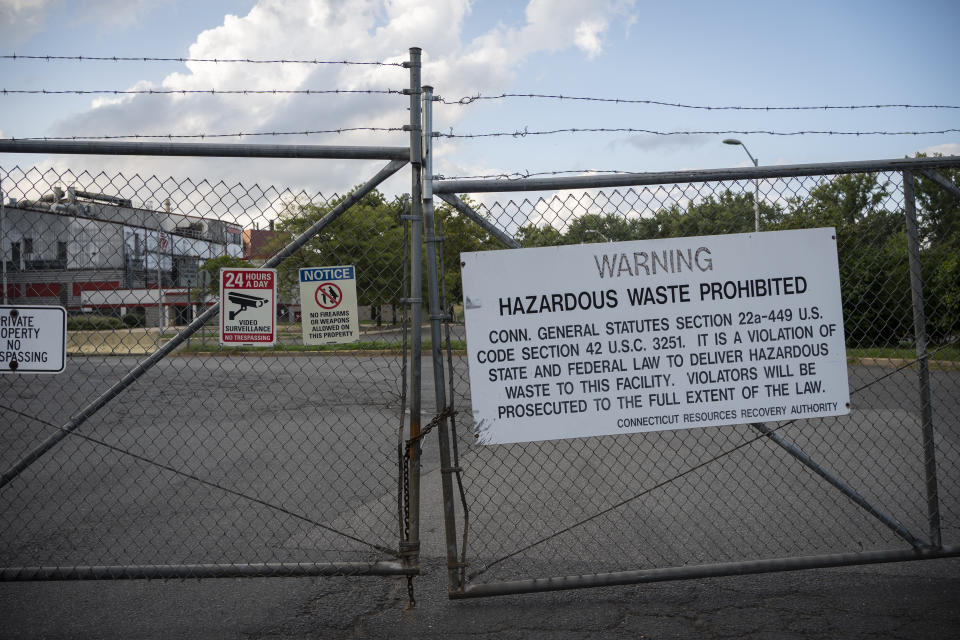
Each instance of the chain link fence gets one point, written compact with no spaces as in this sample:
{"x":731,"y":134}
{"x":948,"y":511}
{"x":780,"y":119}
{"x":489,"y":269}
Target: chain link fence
{"x":591,"y":507}
{"x":254,"y":459}
{"x":293,"y":460}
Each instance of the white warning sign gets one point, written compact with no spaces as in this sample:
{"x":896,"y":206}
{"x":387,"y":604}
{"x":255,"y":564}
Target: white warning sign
{"x":627,"y":337}
{"x":328,"y":304}
{"x":33,"y":339}
{"x":248,"y":307}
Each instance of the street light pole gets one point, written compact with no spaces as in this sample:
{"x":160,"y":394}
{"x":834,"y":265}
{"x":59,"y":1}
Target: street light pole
{"x":756,"y":182}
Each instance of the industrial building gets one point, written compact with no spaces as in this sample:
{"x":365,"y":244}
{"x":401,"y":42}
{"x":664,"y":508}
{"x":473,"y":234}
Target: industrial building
{"x":91,"y":252}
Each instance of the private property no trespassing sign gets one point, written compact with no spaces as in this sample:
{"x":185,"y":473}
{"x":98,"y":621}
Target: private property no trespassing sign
{"x":33,"y":339}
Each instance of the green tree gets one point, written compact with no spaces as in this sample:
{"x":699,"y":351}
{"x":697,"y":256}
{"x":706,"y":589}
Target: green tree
{"x":533,"y":236}
{"x":939,"y":210}
{"x":716,"y":215}
{"x":608,"y":227}
{"x":939,"y":229}
{"x":213,"y":267}
{"x":726,"y":213}
{"x":369,"y":235}
{"x":459,"y":234}
{"x":872,"y":251}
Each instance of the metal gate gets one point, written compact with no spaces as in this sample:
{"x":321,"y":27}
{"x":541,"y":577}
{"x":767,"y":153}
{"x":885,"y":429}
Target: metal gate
{"x":159,"y":454}
{"x":878,"y":485}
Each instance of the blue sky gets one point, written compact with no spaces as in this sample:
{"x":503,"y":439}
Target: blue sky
{"x":703,"y":53}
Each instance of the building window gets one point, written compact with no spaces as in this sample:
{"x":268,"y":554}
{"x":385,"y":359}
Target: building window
{"x":28,"y":246}
{"x":62,"y":253}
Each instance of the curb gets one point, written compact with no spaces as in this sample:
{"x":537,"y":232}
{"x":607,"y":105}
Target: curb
{"x":896,"y":363}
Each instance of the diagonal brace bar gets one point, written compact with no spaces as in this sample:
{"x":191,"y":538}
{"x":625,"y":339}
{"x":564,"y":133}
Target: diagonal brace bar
{"x":844,"y":488}
{"x":487,"y":226}
{"x":923,"y":358}
{"x":943,"y":182}
{"x":193,"y":327}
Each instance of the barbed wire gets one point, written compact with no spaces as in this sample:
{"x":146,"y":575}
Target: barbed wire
{"x":49,"y":58}
{"x":498,"y":134}
{"x":526,"y":132}
{"x":467,"y":100}
{"x":307,"y":92}
{"x":177,"y":136}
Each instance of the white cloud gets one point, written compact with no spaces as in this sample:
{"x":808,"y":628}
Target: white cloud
{"x":114,"y":14}
{"x":19,"y":19}
{"x":587,"y":36}
{"x":330,"y":30}
{"x":649,"y":142}
{"x":948,"y":149}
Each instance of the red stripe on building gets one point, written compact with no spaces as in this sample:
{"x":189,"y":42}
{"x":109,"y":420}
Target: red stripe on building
{"x":42,"y":290}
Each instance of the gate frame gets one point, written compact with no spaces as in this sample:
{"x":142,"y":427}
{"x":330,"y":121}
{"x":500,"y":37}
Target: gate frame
{"x":407,"y":562}
{"x":931,"y":548}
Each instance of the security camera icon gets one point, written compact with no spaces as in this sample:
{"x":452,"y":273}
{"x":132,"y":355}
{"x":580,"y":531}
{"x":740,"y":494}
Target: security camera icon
{"x":245,"y":301}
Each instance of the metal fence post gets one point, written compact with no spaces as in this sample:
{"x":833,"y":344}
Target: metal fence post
{"x":920,"y":336}
{"x":3,"y":241}
{"x":436,"y":315}
{"x":411,"y":546}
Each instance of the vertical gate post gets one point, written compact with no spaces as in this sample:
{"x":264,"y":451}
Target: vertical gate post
{"x":411,"y":546}
{"x":436,"y":315}
{"x":920,"y":337}
{"x":3,"y":239}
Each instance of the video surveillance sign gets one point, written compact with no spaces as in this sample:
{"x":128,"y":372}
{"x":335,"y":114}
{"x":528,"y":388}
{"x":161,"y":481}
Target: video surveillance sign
{"x":248,"y":307}
{"x":628,"y":337}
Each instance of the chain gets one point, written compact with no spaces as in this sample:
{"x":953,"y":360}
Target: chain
{"x":405,"y":454}
{"x":406,"y":547}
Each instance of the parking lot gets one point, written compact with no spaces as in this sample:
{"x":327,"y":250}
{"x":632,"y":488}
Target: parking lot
{"x":317,"y":436}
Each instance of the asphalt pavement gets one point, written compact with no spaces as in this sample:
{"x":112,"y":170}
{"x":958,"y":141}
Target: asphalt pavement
{"x":318,"y":436}
{"x":918,"y":600}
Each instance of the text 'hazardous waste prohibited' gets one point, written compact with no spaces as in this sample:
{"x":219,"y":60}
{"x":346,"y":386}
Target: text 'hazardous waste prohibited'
{"x":627,"y":337}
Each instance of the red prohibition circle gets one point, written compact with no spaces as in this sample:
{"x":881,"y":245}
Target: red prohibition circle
{"x":328,"y":295}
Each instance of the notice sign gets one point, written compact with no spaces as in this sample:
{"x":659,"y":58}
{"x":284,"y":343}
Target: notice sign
{"x":33,"y":339}
{"x":328,"y":304}
{"x":248,"y":307}
{"x":627,"y":337}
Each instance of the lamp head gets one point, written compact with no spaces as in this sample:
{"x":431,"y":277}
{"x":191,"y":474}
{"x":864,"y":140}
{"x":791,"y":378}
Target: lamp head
{"x":732,"y":141}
